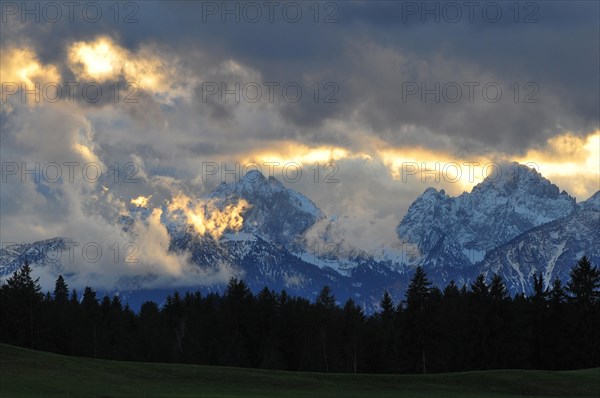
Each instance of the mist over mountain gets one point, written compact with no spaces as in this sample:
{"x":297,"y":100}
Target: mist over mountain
{"x":515,"y":224}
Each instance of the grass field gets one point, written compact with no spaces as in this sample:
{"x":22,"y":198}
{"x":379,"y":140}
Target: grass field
{"x":27,"y":373}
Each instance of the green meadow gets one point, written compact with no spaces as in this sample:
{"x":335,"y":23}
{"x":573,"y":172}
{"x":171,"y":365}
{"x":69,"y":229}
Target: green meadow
{"x":28,"y":374}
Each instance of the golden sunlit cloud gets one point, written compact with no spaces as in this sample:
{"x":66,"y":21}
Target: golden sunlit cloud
{"x":563,"y":157}
{"x":208,"y":218}
{"x":571,"y":162}
{"x":21,"y":66}
{"x":103,"y":59}
{"x":417,"y":164}
{"x":100,"y":59}
{"x":86,"y":153}
{"x":141,"y":201}
{"x":154,"y":238}
{"x":289,"y":152}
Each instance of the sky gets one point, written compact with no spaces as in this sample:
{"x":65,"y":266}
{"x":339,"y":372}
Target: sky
{"x":358,"y":105}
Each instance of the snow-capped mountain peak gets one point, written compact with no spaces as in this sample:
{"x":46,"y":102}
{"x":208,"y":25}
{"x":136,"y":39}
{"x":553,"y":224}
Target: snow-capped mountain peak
{"x":459,"y":231}
{"x":515,"y":224}
{"x":277,"y":213}
{"x":520,"y":179}
{"x":253,"y":183}
{"x":593,"y":202}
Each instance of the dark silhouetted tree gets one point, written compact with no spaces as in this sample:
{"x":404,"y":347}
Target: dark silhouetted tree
{"x":22,"y":301}
{"x":584,"y":285}
{"x":584,"y":290}
{"x":417,"y":317}
{"x":61,"y":291}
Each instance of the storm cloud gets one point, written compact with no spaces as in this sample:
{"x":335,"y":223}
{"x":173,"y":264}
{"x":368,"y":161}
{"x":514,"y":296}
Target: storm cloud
{"x":368,"y":86}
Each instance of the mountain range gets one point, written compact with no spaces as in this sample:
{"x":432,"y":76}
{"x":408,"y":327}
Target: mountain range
{"x":515,"y":224}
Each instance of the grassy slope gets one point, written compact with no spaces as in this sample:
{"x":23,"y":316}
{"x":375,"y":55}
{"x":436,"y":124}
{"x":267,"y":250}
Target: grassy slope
{"x":27,"y":373}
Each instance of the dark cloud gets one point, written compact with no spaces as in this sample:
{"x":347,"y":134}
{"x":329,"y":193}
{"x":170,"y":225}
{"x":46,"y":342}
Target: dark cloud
{"x":558,"y":51}
{"x":369,"y":58}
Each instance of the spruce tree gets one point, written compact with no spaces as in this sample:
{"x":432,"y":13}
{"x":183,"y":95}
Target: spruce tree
{"x":22,"y":301}
{"x":584,"y":285}
{"x":497,"y":289}
{"x":417,"y":300}
{"x":584,"y":289}
{"x":387,"y":308}
{"x":61,"y":291}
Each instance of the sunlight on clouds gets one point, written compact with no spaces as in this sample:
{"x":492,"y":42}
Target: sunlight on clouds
{"x":571,"y":162}
{"x":103,"y":59}
{"x":156,"y":257}
{"x":141,"y":201}
{"x":168,"y":267}
{"x":99,"y":59}
{"x":415,"y":164}
{"x":208,"y":218}
{"x":86,"y":153}
{"x":303,"y":155}
{"x":21,"y":66}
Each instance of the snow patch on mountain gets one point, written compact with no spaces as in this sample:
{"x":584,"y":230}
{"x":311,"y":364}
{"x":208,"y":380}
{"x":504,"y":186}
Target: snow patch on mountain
{"x":459,"y":231}
{"x":552,"y":249}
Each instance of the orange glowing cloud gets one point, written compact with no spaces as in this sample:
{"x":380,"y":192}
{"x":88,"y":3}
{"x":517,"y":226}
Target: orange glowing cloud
{"x":22,"y":65}
{"x":21,"y":68}
{"x":571,"y":162}
{"x":288,"y":152}
{"x":102,"y":59}
{"x":208,"y":218}
{"x":141,"y":201}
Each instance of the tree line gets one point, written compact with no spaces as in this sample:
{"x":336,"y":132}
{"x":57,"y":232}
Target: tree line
{"x":431,"y":330}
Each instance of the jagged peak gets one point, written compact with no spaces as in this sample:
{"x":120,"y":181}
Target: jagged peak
{"x":253,"y":176}
{"x":432,"y":194}
{"x":255,"y":188}
{"x":515,"y":177}
{"x":252,"y":182}
{"x":511,"y":173}
{"x":592,"y":202}
{"x":594,"y":197}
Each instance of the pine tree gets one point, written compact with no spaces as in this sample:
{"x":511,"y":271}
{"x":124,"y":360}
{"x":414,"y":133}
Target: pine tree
{"x":452,"y":321}
{"x":237,"y":319}
{"x":353,"y":322}
{"x":497,"y":289}
{"x":417,"y":300}
{"x":61,"y":319}
{"x":479,"y":322}
{"x":584,"y":285}
{"x":74,"y":297}
{"x":539,"y":293}
{"x":21,"y":282}
{"x":387,"y":350}
{"x":326,"y":299}
{"x":418,"y":290}
{"x":326,"y":307}
{"x":90,"y":307}
{"x":479,"y":288}
{"x":61,"y":291}
{"x":387,"y":308}
{"x":22,"y":299}
{"x":584,"y":289}
{"x":558,"y":324}
{"x":557,"y":294}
